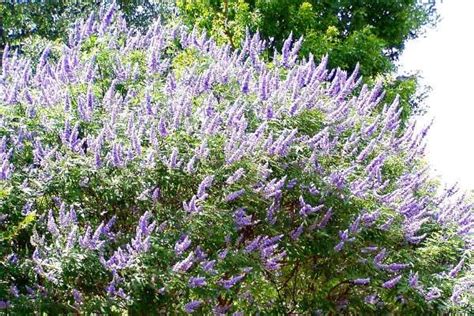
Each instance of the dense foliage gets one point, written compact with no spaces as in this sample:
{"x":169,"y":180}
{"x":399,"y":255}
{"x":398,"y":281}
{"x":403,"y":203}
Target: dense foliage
{"x":161,"y":172}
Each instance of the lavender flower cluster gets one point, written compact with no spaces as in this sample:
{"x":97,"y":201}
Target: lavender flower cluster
{"x":263,"y":175}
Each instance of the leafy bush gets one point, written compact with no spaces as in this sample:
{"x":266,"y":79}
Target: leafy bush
{"x":162,"y":173}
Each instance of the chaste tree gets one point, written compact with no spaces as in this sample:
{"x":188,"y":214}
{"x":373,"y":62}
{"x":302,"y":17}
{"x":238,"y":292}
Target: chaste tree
{"x":160,"y":172}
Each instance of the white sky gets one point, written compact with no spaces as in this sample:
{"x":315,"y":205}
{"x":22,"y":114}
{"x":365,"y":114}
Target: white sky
{"x":446,"y":60}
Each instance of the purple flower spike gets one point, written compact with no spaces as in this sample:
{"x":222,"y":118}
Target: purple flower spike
{"x":77,"y":297}
{"x":156,"y":195}
{"x":192,"y":306}
{"x":295,"y":234}
{"x":197,"y":282}
{"x":234,"y":195}
{"x":182,"y":244}
{"x":456,"y":269}
{"x":229,"y":283}
{"x":413,"y":280}
{"x":392,"y":282}
{"x":433,"y":294}
{"x":107,"y":19}
{"x":184,"y":265}
{"x":365,"y":281}
{"x":204,"y":185}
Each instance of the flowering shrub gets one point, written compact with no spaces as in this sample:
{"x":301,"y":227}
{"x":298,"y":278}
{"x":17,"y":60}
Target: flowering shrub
{"x":162,"y":173}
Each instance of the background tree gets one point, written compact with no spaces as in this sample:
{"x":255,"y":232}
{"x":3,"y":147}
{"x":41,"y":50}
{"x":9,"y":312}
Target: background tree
{"x":371,"y":33}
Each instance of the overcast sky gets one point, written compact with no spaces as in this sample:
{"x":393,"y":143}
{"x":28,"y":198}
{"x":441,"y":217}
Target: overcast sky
{"x":446,"y":60}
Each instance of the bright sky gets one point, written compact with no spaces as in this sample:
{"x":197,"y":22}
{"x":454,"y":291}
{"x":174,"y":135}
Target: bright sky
{"x":446,"y":60}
